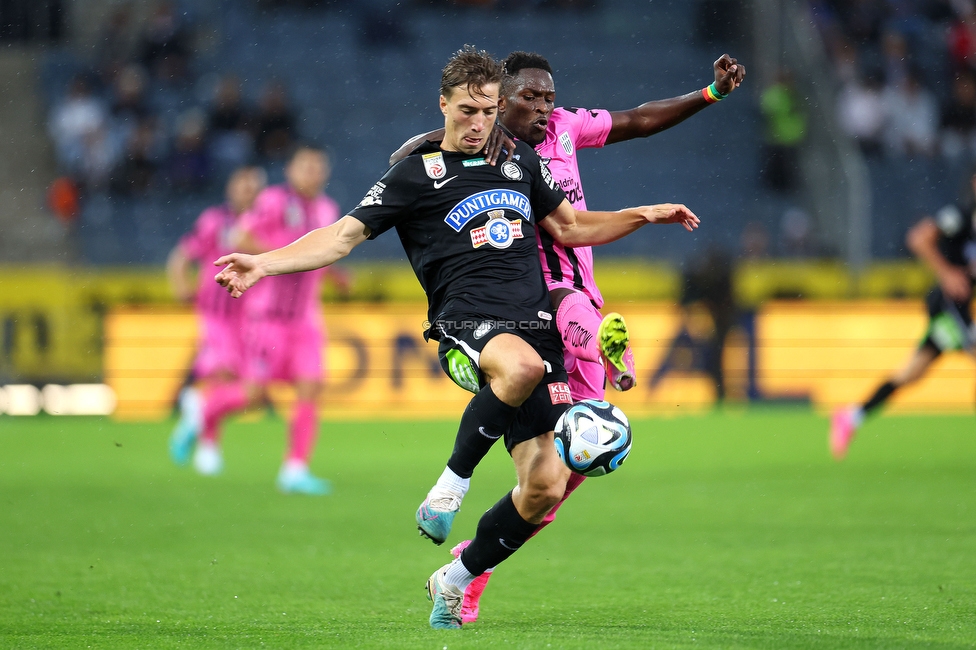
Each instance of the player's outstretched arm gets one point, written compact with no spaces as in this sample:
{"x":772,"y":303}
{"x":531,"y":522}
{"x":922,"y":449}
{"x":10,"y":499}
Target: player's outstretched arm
{"x":321,"y":247}
{"x":654,"y":117}
{"x":923,"y":240}
{"x":573,"y":228}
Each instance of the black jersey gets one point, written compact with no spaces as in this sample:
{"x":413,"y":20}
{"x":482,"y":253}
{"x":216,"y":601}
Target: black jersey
{"x":957,"y":226}
{"x":468,"y":229}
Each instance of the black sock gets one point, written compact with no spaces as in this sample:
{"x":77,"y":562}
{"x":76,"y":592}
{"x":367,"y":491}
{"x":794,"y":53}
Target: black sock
{"x":485,"y":420}
{"x":501,"y":532}
{"x":880,"y":396}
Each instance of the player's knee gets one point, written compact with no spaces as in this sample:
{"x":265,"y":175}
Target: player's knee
{"x":527,"y":372}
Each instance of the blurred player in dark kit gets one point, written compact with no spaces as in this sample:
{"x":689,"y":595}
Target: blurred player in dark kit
{"x":946,"y":244}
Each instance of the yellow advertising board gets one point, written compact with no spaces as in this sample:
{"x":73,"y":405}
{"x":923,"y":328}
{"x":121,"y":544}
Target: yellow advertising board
{"x":838,"y":353}
{"x":379,"y":366}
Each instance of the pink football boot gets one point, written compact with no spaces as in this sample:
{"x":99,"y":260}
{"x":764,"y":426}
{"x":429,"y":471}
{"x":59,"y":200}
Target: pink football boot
{"x":469,"y":609}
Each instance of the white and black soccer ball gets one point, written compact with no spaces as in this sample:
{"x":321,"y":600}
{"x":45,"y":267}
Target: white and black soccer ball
{"x":593,"y":437}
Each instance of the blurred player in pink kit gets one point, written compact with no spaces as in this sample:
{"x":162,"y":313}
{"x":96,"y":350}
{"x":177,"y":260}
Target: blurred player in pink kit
{"x":596,"y":347}
{"x":220,"y":344}
{"x":283,"y":333}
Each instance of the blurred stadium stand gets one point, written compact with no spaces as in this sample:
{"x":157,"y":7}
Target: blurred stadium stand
{"x":362,"y":76}
{"x":362,"y":94}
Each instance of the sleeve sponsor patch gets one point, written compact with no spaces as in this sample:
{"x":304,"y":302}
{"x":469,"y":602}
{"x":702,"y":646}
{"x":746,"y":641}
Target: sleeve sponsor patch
{"x":547,"y":175}
{"x":374,"y":196}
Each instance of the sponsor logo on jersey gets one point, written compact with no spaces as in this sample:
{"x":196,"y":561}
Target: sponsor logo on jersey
{"x":462,"y":370}
{"x":483,"y":329}
{"x":511,"y":171}
{"x":547,"y":175}
{"x":574,"y":193}
{"x":544,"y":315}
{"x":566,"y":142}
{"x":480,"y":203}
{"x":434,"y":165}
{"x":439,"y":184}
{"x":476,"y":162}
{"x":499,"y":232}
{"x":559,"y":393}
{"x":374,"y":196}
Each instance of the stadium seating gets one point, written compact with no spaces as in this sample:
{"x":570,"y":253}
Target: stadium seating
{"x":362,"y":98}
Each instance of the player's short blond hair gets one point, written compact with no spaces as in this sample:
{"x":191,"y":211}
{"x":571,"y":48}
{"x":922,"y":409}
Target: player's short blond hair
{"x":471,"y":69}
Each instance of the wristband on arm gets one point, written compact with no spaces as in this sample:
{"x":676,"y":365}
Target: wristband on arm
{"x":712,"y":95}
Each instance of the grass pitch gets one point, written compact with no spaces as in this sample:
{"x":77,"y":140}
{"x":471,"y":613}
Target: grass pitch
{"x":731,"y":530}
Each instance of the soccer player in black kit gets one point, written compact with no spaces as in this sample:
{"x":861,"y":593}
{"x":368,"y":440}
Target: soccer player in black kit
{"x":468,"y":229}
{"x":947,"y":245}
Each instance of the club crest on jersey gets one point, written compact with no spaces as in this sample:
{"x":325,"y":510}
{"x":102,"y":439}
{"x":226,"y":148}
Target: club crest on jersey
{"x":434,"y":165}
{"x":511,"y":171}
{"x":482,"y":202}
{"x":499,"y":232}
{"x":566,"y":142}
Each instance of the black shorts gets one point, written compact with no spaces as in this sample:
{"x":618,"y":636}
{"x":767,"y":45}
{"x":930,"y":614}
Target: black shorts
{"x":462,"y":339}
{"x":949,"y":323}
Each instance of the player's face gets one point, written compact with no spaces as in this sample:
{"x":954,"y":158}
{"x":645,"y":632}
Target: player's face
{"x":469,"y":118}
{"x":526,"y":109}
{"x":243,"y":188}
{"x":307,"y":173}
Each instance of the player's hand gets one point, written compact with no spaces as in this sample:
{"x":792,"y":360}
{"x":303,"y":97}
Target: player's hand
{"x":239,"y":274}
{"x":955,"y":284}
{"x":729,"y":73}
{"x":672,"y":213}
{"x":498,"y":141}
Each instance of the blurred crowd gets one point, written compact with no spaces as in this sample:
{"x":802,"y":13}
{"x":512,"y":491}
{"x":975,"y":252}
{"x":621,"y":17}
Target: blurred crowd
{"x":907,"y":70}
{"x":137,"y":118}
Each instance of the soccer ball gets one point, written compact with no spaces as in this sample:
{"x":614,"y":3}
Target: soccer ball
{"x":593,"y":437}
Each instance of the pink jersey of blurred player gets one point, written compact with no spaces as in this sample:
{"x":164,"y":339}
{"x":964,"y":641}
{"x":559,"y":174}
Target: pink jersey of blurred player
{"x":570,"y":129}
{"x":284,"y":330}
{"x":220,"y":315}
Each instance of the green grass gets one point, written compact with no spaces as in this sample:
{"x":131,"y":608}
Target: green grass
{"x":731,"y":530}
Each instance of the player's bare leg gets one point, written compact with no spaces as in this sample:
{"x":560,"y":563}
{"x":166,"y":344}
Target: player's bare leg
{"x":295,"y":476}
{"x":846,"y":421}
{"x":512,"y":368}
{"x":502,"y":530}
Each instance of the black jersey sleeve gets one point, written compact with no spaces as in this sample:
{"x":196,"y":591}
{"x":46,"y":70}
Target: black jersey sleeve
{"x":388,"y":201}
{"x":546,"y":193}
